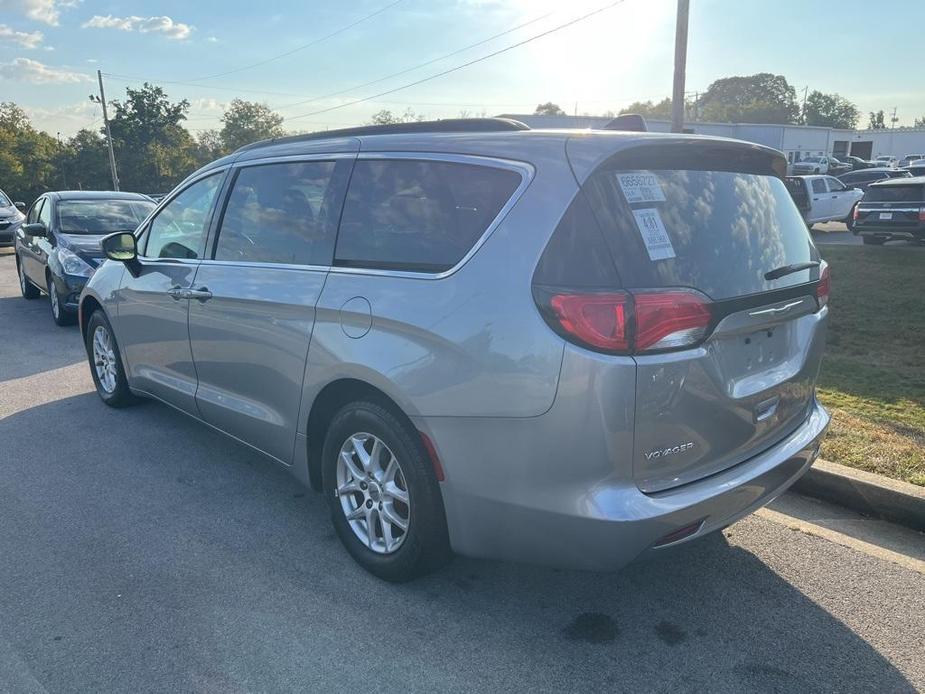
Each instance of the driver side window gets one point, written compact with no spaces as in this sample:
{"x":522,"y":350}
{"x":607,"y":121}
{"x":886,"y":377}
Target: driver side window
{"x":179,"y":230}
{"x":33,"y":215}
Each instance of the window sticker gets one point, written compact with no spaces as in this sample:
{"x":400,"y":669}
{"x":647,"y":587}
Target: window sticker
{"x":654,"y":236}
{"x":641,"y":186}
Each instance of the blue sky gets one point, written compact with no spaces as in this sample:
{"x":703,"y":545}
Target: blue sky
{"x":50,"y":50}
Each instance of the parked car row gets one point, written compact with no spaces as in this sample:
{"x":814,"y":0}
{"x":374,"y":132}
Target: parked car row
{"x":545,"y":346}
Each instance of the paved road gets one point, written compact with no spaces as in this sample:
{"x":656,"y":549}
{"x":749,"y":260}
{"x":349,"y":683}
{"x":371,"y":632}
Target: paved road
{"x":140,"y":551}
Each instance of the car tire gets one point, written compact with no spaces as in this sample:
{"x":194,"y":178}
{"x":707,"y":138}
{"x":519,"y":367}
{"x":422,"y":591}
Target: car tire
{"x":59,"y":314}
{"x":365,"y":486}
{"x":29,"y":290}
{"x":872,"y":241}
{"x":108,"y":376}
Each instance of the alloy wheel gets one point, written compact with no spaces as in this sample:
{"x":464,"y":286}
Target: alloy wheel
{"x":373,"y":493}
{"x":104,"y":359}
{"x":53,"y":297}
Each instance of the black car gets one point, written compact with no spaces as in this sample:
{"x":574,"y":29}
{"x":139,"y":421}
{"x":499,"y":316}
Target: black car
{"x":892,"y":209}
{"x":11,"y":217}
{"x":863,"y":178}
{"x":857,"y":163}
{"x":58,"y":245}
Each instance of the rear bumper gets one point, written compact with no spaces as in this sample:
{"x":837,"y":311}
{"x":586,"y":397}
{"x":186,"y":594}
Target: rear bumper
{"x":503,"y":512}
{"x":910,"y":233}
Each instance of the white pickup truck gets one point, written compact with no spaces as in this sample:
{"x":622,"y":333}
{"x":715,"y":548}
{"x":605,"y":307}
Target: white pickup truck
{"x":824,"y":199}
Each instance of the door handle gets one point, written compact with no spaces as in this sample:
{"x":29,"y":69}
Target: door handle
{"x":199,"y":293}
{"x":176,"y":293}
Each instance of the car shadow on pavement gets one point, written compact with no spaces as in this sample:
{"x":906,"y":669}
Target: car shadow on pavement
{"x":145,"y":551}
{"x":32,"y":343}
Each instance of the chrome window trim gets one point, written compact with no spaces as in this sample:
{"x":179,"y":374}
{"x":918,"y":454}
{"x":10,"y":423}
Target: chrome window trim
{"x":293,"y":159}
{"x":265,"y":265}
{"x":526,"y":171}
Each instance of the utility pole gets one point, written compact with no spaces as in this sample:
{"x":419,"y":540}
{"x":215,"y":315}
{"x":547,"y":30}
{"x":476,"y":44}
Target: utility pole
{"x":803,"y":108}
{"x":680,"y":66}
{"x":101,"y":100}
{"x":893,"y":119}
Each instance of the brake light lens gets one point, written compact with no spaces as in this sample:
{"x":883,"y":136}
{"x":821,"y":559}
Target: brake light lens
{"x":922,"y":214}
{"x":631,"y":323}
{"x":599,"y":320}
{"x":855,"y":214}
{"x":822,"y":289}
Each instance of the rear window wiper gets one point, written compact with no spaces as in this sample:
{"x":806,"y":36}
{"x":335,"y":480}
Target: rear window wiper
{"x":784,"y":270}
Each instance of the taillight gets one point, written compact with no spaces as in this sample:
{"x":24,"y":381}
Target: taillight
{"x":668,"y":320}
{"x":922,"y":214}
{"x":854,"y":213}
{"x":598,"y":320}
{"x":629,"y":323}
{"x":825,"y":281}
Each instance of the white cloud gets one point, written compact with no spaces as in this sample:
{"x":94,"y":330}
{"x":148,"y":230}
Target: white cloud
{"x":145,"y":25}
{"x":26,"y":39}
{"x":212,"y":39}
{"x":47,"y":11}
{"x":26,"y":70}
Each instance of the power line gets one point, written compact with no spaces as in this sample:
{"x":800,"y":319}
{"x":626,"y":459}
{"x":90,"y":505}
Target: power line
{"x":464,"y":65}
{"x":136,"y":78}
{"x":420,"y":65}
{"x":314,"y":42}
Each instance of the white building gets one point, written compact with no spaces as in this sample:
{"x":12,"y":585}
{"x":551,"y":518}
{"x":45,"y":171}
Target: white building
{"x":796,"y":141}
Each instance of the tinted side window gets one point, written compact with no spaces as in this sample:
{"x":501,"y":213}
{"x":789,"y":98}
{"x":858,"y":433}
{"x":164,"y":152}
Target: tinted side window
{"x":819,"y":185}
{"x":33,"y":215}
{"x":283,"y":213}
{"x":179,"y":228}
{"x":45,"y":213}
{"x":835,"y":185}
{"x":418,"y":215}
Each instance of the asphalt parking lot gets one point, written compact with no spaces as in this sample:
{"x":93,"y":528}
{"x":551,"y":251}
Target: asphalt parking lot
{"x":140,"y":551}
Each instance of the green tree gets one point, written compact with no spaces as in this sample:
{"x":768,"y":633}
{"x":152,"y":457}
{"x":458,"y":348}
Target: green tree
{"x":648,"y":109}
{"x":832,"y":110}
{"x":761,"y":98}
{"x":27,"y":156}
{"x":919,"y":122}
{"x":154,"y":151}
{"x":209,"y":146}
{"x":245,"y":122}
{"x":875,"y":122}
{"x":386,"y":117}
{"x":84,"y":162}
{"x":548,"y":109}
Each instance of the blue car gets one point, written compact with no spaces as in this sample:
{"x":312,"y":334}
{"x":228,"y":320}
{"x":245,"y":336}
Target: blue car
{"x":58,"y":246}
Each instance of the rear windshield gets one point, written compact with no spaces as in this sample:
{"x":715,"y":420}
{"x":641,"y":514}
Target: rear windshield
{"x":895,"y":193}
{"x":101,"y":216}
{"x":716,"y":231}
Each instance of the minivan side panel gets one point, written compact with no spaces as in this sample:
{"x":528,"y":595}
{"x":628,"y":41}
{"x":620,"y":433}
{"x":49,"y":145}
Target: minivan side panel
{"x":469,"y":343}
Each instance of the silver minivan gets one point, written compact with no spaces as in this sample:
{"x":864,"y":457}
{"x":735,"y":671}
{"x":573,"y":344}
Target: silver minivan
{"x":563,"y":347}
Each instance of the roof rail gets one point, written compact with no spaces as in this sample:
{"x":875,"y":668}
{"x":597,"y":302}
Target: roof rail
{"x":449,"y":125}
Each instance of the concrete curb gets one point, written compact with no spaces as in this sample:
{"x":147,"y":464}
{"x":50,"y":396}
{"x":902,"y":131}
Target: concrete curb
{"x":864,"y":492}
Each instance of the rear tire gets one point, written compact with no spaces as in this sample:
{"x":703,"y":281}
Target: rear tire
{"x":59,"y":314}
{"x":872,"y":241}
{"x":106,"y":362}
{"x":367,"y":431}
{"x":29,"y":290}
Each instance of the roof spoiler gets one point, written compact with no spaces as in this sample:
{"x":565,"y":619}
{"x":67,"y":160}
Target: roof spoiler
{"x":628,"y":122}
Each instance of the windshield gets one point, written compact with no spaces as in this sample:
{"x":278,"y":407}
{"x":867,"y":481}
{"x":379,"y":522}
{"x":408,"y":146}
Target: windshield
{"x":101,"y":216}
{"x":895,"y":193}
{"x":716,"y":231}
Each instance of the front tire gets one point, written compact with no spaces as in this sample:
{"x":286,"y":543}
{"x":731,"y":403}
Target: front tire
{"x":29,"y":290}
{"x":106,"y":362}
{"x":384,"y":499}
{"x":58,"y":313}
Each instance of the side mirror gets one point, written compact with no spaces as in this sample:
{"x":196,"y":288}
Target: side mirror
{"x":34,"y":229}
{"x":120,"y":246}
{"x":21,"y":206}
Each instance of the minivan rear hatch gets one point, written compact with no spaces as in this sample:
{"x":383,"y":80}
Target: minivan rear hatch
{"x":711,"y":222}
